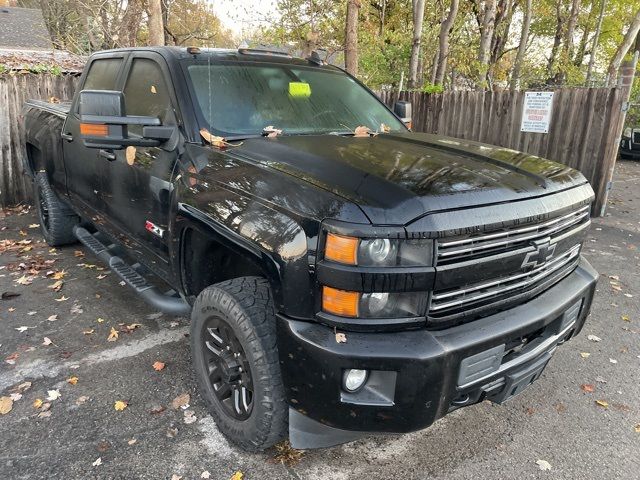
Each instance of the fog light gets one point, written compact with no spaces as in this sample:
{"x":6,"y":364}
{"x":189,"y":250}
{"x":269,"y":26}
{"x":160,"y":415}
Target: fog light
{"x":354,"y":379}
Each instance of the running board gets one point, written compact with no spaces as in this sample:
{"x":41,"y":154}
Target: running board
{"x":167,"y":303}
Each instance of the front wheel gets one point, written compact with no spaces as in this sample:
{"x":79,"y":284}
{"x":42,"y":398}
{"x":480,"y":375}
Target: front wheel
{"x":234,"y":348}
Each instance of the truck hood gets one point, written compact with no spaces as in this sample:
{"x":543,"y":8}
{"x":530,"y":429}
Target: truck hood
{"x":397,"y":178}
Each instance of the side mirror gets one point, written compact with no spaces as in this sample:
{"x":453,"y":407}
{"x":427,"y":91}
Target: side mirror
{"x":103,"y":122}
{"x":403,"y":110}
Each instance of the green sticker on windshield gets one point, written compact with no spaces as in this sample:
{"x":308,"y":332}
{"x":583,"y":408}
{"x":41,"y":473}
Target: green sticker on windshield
{"x":299,"y":89}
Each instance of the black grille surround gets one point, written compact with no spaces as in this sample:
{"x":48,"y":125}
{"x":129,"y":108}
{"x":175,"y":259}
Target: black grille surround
{"x":480,"y":274}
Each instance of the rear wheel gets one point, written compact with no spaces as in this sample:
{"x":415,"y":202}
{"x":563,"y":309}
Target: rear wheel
{"x":56,"y":218}
{"x":233,"y":342}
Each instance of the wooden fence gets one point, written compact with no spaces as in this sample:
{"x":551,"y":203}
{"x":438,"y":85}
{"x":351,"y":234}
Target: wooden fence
{"x":14,"y":90}
{"x":584,"y":129}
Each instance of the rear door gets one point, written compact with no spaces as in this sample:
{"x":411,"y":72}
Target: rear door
{"x":83,"y":165}
{"x":138,"y":186}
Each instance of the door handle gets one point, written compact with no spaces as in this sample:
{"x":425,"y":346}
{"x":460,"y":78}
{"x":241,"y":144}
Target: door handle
{"x":108,"y":154}
{"x":67,"y":136}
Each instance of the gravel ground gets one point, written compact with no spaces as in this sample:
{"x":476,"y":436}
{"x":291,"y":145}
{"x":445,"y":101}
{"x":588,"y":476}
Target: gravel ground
{"x":555,"y":420}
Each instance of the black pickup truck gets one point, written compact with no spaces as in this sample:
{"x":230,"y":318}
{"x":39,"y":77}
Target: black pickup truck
{"x":344,"y":275}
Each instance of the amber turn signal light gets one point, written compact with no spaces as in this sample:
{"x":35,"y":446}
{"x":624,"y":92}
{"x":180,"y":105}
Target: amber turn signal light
{"x":340,"y":302}
{"x":94,"y":129}
{"x":341,"y":249}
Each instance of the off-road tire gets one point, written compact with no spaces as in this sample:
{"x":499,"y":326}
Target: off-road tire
{"x":246,"y":305}
{"x":56,"y":218}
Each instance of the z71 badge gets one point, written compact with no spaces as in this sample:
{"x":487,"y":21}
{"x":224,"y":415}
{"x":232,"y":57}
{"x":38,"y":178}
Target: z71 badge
{"x":153,"y":228}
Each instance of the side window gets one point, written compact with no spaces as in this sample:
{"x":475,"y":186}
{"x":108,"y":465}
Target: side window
{"x":146,"y":93}
{"x":102,"y":74}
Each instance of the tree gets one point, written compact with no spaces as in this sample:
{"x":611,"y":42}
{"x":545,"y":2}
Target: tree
{"x":623,"y":48}
{"x":522,"y":46}
{"x":414,"y":62}
{"x":440,"y":62}
{"x":351,"y":37}
{"x":596,"y":38}
{"x":156,"y":28}
{"x":487,"y":26}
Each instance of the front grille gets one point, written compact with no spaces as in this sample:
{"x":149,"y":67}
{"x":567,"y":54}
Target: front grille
{"x":480,"y":245}
{"x":497,"y":269}
{"x":446,"y":303}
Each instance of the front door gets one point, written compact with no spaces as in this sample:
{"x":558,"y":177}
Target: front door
{"x":138,"y":184}
{"x":83,"y":165}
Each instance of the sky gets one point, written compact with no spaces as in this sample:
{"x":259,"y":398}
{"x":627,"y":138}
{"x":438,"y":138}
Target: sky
{"x":242,"y":15}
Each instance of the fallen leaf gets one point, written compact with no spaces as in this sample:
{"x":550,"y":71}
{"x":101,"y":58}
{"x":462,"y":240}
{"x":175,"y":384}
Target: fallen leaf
{"x":637,"y":428}
{"x":53,"y":395}
{"x":61,"y":299}
{"x":176,"y":477}
{"x":101,"y":276}
{"x":76,"y":309}
{"x":23,"y":329}
{"x":113,"y":335}
{"x":593,"y":338}
{"x":613,"y":360}
{"x":205,"y":474}
{"x":100,"y":320}
{"x":362,"y":131}
{"x":34,"y":225}
{"x":57,"y":286}
{"x":47,"y":341}
{"x":157,"y":409}
{"x":602,"y":403}
{"x":587,"y":387}
{"x":218,"y":142}
{"x":172,"y":432}
{"x":600,"y":380}
{"x":180,"y":401}
{"x":45,"y":414}
{"x":31,"y":313}
{"x":626,"y":318}
{"x":543,"y":465}
{"x":78,"y":253}
{"x":37,"y":403}
{"x":585,"y":354}
{"x":59,"y":275}
{"x":88,"y":332}
{"x":72,"y":380}
{"x":189,"y":416}
{"x":52,"y":318}
{"x":132,"y":441}
{"x":341,"y":338}
{"x":24,"y":280}
{"x":81,"y":400}
{"x":157,"y":366}
{"x":271,"y":131}
{"x":23,"y":387}
{"x":237,"y":476}
{"x":6,"y":404}
{"x":98,"y":462}
{"x":15,"y":396}
{"x":120,"y":405}
{"x":130,"y":155}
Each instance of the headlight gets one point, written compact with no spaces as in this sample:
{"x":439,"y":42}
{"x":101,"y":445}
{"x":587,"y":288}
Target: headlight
{"x":378,"y":252}
{"x":373,"y":305}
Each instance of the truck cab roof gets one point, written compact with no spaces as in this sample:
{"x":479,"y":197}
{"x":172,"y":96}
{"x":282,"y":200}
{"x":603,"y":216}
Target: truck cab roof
{"x":223,"y":54}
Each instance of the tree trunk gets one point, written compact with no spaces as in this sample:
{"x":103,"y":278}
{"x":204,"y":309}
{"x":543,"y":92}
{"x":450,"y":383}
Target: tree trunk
{"x":443,"y":42}
{"x":351,"y":37}
{"x":582,"y":46}
{"x":487,"y":26}
{"x":571,"y":28}
{"x":623,"y":48}
{"x":156,"y":29}
{"x":130,"y":23}
{"x":596,"y":38}
{"x":418,"y":17}
{"x":557,"y":39}
{"x":524,"y":38}
{"x":504,"y":16}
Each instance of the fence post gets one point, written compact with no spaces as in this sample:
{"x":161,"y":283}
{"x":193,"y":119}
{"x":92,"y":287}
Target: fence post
{"x":626,"y":77}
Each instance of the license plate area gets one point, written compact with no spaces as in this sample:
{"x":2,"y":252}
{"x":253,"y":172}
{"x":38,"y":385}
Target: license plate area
{"x":518,"y":381}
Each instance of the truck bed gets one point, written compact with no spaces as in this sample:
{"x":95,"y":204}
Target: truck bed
{"x":60,"y":108}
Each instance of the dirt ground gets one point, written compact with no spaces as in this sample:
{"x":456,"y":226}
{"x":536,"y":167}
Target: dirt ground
{"x":54,"y":342}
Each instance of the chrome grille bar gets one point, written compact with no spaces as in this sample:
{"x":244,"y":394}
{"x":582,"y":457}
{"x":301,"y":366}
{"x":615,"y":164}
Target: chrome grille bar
{"x":477,"y":244}
{"x":502,"y":285}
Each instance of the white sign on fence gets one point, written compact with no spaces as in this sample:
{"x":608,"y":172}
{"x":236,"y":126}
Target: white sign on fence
{"x":536,"y":112}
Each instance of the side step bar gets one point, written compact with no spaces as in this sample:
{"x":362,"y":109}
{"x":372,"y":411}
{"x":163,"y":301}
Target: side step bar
{"x":171,"y":304}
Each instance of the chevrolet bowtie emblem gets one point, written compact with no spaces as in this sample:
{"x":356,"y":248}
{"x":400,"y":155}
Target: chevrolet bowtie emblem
{"x":543,"y":252}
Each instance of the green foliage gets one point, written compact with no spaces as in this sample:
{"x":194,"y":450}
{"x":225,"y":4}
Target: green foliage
{"x":431,"y":88}
{"x":3,"y":69}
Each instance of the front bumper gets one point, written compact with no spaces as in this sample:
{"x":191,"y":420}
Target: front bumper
{"x":418,"y":376}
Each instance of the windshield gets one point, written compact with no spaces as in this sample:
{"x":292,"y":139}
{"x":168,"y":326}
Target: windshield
{"x":243,"y":99}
